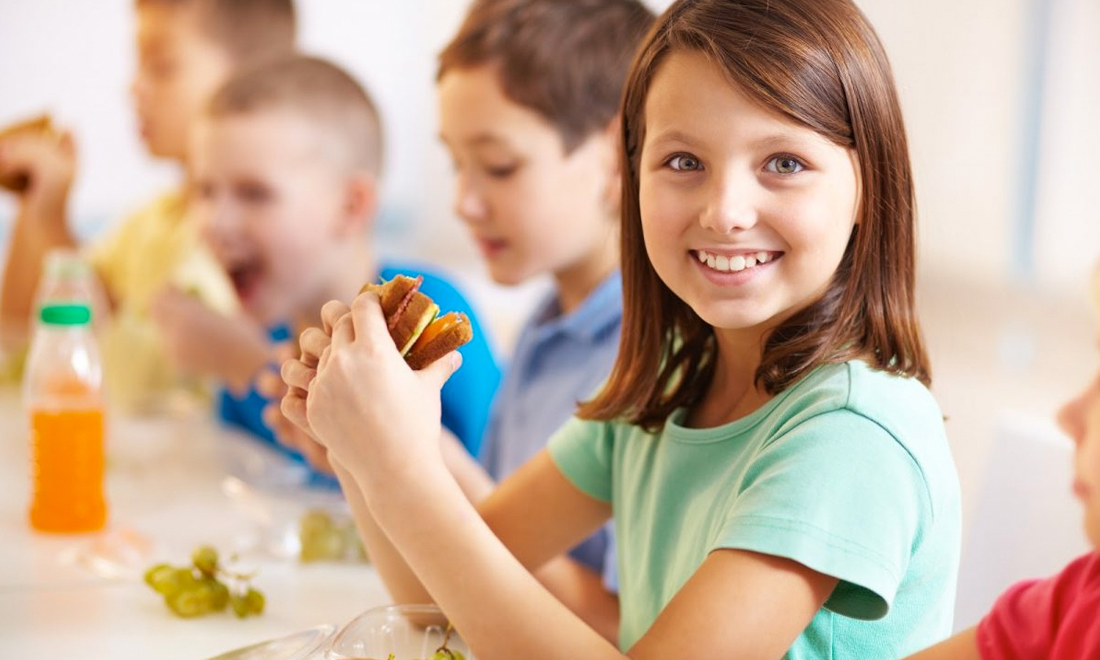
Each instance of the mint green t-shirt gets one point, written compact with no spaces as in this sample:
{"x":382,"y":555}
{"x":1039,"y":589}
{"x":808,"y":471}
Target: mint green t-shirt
{"x":847,"y":472}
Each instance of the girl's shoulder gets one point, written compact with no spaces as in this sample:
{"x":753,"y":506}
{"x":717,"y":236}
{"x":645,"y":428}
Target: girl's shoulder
{"x":856,"y":387}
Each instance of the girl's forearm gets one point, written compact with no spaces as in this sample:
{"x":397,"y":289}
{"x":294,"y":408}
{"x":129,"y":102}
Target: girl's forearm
{"x":496,"y":604}
{"x":399,"y":579}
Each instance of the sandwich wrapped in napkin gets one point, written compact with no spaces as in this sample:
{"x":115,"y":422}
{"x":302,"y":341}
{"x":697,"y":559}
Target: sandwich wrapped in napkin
{"x":420,"y":333}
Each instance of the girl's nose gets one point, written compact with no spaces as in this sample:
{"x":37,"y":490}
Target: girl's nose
{"x":731,"y":204}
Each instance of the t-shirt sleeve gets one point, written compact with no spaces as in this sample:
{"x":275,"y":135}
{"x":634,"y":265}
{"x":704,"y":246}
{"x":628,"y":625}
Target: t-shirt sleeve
{"x":1024,"y":621}
{"x":582,"y":450}
{"x":840,"y":495}
{"x":468,"y":395}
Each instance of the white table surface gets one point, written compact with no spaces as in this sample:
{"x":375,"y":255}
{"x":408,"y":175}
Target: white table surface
{"x":165,"y":484}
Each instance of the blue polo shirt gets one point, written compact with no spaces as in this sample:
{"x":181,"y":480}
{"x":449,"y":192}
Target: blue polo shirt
{"x":466,"y":398}
{"x":559,"y":361}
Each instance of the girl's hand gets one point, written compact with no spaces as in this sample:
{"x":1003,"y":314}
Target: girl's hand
{"x":377,"y":416}
{"x":298,"y":373}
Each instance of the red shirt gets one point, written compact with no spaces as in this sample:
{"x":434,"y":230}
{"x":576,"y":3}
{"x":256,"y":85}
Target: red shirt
{"x":1057,"y":618}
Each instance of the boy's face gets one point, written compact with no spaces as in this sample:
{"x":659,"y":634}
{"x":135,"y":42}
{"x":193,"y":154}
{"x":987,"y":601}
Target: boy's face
{"x":178,"y":71}
{"x":531,"y":208}
{"x":273,"y":209}
{"x":1080,"y":418}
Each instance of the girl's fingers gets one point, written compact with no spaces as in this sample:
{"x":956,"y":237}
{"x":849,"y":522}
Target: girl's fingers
{"x":293,"y":408}
{"x":313,"y":341}
{"x":368,"y":321}
{"x":343,"y":333}
{"x":331,"y":313}
{"x":296,"y":374}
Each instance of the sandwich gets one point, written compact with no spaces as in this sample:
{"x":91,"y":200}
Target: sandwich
{"x":421,"y":335}
{"x":18,"y":181}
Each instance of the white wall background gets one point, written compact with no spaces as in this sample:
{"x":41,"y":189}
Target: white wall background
{"x":963,"y":73}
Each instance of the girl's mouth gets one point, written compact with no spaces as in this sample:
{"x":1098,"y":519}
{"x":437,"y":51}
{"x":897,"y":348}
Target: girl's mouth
{"x":735,"y":263}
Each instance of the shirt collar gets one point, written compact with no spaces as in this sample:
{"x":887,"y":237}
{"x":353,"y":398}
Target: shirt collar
{"x":598,"y":313}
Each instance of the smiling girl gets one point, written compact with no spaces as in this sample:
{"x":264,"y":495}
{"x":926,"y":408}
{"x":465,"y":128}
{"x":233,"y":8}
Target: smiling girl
{"x":778,"y":471}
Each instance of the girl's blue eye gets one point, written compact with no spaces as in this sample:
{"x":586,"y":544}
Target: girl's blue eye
{"x":785,"y":165}
{"x":684,"y":163}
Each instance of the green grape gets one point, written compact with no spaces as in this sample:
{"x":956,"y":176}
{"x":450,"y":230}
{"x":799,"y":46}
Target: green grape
{"x":158,"y":574}
{"x":216,"y":592}
{"x":314,"y":521}
{"x":322,"y":545}
{"x":447,"y":654}
{"x":189,"y":602}
{"x":238,"y":605}
{"x":255,"y":601}
{"x":205,"y":558}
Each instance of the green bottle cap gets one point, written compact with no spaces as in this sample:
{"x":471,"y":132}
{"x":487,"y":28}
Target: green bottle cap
{"x":65,"y":314}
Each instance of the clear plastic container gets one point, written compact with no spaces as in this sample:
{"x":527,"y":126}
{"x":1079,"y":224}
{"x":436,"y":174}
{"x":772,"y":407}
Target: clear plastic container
{"x":409,"y":632}
{"x":299,"y":646}
{"x":62,"y":393}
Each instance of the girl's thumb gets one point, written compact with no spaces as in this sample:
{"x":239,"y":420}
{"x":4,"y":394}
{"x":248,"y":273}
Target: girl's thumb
{"x":439,"y":371}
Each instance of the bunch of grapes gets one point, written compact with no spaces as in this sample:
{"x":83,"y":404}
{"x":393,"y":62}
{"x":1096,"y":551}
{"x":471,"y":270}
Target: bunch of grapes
{"x":323,"y":538}
{"x":196,"y":590}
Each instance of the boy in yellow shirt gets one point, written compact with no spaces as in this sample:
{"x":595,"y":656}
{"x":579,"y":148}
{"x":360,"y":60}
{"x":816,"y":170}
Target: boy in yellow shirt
{"x":186,"y":49}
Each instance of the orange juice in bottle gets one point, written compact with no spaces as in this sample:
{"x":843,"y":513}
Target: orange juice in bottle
{"x":62,"y":391}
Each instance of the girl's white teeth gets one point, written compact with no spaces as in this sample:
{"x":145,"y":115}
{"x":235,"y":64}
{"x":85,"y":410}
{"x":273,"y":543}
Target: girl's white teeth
{"x":734,"y":264}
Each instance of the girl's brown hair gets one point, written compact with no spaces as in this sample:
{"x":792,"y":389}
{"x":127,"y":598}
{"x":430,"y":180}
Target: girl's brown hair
{"x":819,"y":64}
{"x":564,"y":59}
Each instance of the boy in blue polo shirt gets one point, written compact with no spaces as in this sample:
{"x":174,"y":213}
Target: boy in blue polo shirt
{"x":285,"y":170}
{"x":529,"y":110}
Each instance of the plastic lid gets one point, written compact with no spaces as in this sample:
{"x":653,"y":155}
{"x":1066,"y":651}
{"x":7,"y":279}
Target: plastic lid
{"x":65,"y":314}
{"x":299,"y":646}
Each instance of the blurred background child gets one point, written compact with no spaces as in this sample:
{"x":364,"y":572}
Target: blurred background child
{"x":285,"y":169}
{"x":185,"y":50}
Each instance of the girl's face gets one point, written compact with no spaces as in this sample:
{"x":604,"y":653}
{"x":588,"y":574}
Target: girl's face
{"x":1080,"y":418}
{"x":531,"y":208}
{"x":745,"y":215}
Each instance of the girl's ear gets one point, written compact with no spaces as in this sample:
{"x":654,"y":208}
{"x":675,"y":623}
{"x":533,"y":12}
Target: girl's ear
{"x":360,"y":203}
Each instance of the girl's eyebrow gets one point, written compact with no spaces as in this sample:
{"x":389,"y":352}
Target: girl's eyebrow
{"x":767,"y":141}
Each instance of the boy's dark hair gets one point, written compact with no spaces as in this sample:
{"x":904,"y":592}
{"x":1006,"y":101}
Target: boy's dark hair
{"x":313,"y":89}
{"x":565,"y":59}
{"x":819,"y":64}
{"x":249,"y":30}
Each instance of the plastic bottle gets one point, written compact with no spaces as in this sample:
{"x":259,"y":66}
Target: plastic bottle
{"x":62,"y":391}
